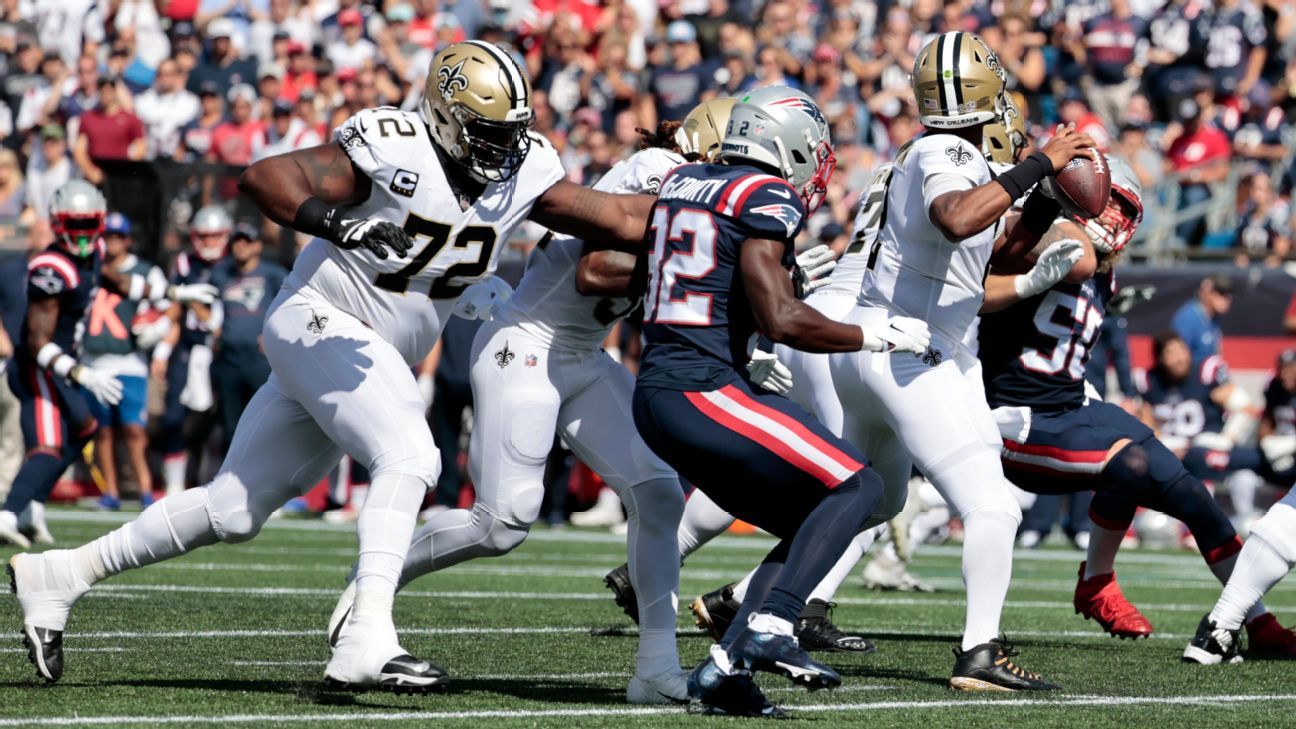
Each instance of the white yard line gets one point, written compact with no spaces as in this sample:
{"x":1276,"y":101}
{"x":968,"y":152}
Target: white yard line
{"x":1064,"y":702}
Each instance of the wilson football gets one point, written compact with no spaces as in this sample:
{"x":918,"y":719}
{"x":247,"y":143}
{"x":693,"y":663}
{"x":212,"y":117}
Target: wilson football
{"x":1083,"y":186}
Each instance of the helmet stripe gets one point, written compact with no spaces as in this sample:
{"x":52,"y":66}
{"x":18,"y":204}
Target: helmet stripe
{"x":948,"y":71}
{"x":957,"y":81}
{"x":940,"y":72}
{"x":517,"y":86}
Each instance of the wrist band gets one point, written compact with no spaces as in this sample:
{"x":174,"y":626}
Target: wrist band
{"x":315,"y":217}
{"x":135,"y":291}
{"x":162,"y":351}
{"x":1025,"y":175}
{"x":52,"y":358}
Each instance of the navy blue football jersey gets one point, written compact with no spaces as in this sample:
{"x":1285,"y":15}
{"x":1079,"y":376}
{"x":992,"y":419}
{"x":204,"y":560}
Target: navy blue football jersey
{"x":1034,"y":352}
{"x":190,"y":269}
{"x":697,"y":318}
{"x":1280,"y":407}
{"x":55,"y":273}
{"x":1185,"y":409}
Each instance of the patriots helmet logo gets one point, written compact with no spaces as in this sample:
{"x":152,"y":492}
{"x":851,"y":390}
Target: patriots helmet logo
{"x":958,"y":154}
{"x":451,"y":79}
{"x":788,"y":215}
{"x":809,"y":107}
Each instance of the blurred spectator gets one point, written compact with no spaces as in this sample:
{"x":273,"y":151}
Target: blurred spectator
{"x":1019,"y":52}
{"x":331,"y":26}
{"x":13,"y":311}
{"x":283,"y":23}
{"x":611,"y":88}
{"x":301,"y":75}
{"x":240,"y":138}
{"x":269,"y":88}
{"x":222,"y":65}
{"x":83,"y":97}
{"x":788,"y":36}
{"x":47,"y":171}
{"x":1196,"y":322}
{"x":165,"y":109}
{"x":1235,"y":51}
{"x":1200,"y":156}
{"x":565,"y":67}
{"x":13,"y":192}
{"x":736,"y":75}
{"x":675,"y":89}
{"x":108,"y":133}
{"x":1132,"y":146}
{"x":48,"y":88}
{"x":1074,"y":109}
{"x":1175,"y":54}
{"x":1114,"y":52}
{"x":23,"y":73}
{"x":247,"y":285}
{"x":708,"y":24}
{"x":68,"y":27}
{"x":140,"y":19}
{"x":351,"y":49}
{"x":287,"y":132}
{"x":196,"y":136}
{"x":1264,"y":222}
{"x":770,"y":69}
{"x":237,"y":13}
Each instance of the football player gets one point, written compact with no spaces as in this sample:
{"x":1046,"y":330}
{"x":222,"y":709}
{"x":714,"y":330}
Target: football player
{"x":51,"y":385}
{"x":718,"y":273}
{"x":538,"y":367}
{"x":407,"y":209}
{"x":1034,"y":346}
{"x":939,"y":224}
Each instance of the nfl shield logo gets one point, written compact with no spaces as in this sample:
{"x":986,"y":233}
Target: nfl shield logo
{"x":531,"y":360}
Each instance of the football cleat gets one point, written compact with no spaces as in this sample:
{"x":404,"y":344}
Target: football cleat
{"x":886,"y":572}
{"x":403,"y":674}
{"x":1099,"y":598}
{"x":753,"y":651}
{"x":1265,"y":637}
{"x":989,"y":667}
{"x":618,"y":581}
{"x":341,"y":613}
{"x":1212,"y":645}
{"x":9,"y":531}
{"x":668,"y":687}
{"x":815,"y":632}
{"x":720,"y":691}
{"x":47,"y":587}
{"x":714,"y":611}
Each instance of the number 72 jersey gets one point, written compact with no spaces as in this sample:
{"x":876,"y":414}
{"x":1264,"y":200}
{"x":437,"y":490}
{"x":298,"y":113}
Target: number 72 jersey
{"x":1034,"y":352}
{"x":456,"y":242}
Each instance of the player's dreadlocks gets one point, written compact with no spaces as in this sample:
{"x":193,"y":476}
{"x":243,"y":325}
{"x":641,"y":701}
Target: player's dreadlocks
{"x":663,"y":138}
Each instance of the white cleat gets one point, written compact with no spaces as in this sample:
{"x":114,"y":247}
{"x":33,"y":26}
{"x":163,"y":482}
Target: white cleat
{"x":9,"y":531}
{"x":668,"y":687}
{"x":885,"y":572}
{"x":605,"y":513}
{"x":47,"y":586}
{"x":341,"y":614}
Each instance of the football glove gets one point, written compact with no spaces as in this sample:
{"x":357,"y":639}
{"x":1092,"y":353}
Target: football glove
{"x":901,"y":334}
{"x":106,"y":388}
{"x":1127,"y":297}
{"x":195,"y":293}
{"x":1053,"y":265}
{"x":768,"y":372}
{"x":376,"y":236}
{"x":148,"y":335}
{"x":480,"y":300}
{"x":812,"y":268}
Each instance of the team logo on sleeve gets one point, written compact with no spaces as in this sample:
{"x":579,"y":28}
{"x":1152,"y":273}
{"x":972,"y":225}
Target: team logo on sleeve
{"x":504,"y":356}
{"x":404,"y":182}
{"x":788,"y":215}
{"x":350,"y":138}
{"x":451,"y":79}
{"x":47,"y":280}
{"x":958,"y":154}
{"x":317,"y":323}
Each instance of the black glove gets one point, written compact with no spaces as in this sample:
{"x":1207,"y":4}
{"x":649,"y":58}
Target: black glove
{"x":378,"y":236}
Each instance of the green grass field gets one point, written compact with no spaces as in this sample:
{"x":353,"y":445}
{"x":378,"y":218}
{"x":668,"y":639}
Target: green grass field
{"x":234,"y":635}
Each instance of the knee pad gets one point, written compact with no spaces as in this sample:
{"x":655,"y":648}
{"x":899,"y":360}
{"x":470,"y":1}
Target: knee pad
{"x":977,"y":485}
{"x":1157,"y":479}
{"x":422,"y":463}
{"x":496,"y":536}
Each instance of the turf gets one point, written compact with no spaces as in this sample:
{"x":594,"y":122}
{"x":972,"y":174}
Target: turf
{"x":233,"y":635}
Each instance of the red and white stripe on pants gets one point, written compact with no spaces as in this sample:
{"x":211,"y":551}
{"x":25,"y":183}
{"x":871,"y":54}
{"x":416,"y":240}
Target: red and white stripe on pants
{"x":777,"y":432}
{"x":49,"y":423}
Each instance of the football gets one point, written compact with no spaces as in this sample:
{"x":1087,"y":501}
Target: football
{"x":1083,"y":186}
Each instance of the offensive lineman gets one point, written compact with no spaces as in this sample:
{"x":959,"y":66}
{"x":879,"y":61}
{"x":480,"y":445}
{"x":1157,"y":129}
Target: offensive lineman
{"x":538,"y":367}
{"x":938,"y":231}
{"x":353,"y":317}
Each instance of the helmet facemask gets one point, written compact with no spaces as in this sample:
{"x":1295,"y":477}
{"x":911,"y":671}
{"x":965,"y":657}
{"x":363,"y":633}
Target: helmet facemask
{"x":1114,"y":228}
{"x":78,"y":232}
{"x":815,"y":190}
{"x":494,"y":150}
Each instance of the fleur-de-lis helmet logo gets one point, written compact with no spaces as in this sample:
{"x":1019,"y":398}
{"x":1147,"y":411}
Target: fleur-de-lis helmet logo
{"x":451,"y":79}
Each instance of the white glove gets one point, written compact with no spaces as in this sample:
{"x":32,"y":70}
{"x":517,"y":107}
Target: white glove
{"x":479,"y":300}
{"x":1053,"y":265}
{"x":148,"y":335}
{"x":199,"y":293}
{"x":901,"y":334}
{"x":768,"y":372}
{"x":106,"y":388}
{"x":814,"y":265}
{"x":1213,"y":441}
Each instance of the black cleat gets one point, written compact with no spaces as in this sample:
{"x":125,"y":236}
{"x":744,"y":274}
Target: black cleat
{"x":618,"y":581}
{"x":1212,"y":645}
{"x":815,"y":632}
{"x":403,"y":674}
{"x":714,"y":611}
{"x":988,"y":667}
{"x":716,"y":693}
{"x":752,"y":651}
{"x":45,"y":651}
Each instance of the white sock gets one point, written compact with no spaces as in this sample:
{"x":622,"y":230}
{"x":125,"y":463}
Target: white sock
{"x":766,"y":623}
{"x":702,"y":522}
{"x":1100,"y":557}
{"x":1242,"y":487}
{"x":740,"y":589}
{"x":35,"y":513}
{"x":1223,"y":571}
{"x":168,"y":528}
{"x":653,"y":511}
{"x":1259,"y":567}
{"x":173,"y":472}
{"x":827,"y":588}
{"x":987,"y":570}
{"x":385,"y":528}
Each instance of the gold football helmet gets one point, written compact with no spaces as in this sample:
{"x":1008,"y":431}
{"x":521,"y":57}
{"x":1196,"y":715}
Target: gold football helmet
{"x":1005,"y":137}
{"x":704,"y":129}
{"x":957,"y":82}
{"x":477,"y":104}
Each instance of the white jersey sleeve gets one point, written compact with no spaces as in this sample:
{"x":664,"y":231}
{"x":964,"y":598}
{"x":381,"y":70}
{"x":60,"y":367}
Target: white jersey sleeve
{"x":916,"y":271}
{"x":546,"y":304}
{"x":457,"y":240}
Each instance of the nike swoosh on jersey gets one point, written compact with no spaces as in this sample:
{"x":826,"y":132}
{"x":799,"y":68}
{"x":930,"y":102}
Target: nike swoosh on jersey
{"x":781,"y":193}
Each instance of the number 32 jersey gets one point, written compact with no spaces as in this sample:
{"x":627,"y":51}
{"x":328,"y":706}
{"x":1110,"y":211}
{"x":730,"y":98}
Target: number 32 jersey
{"x":697,"y":318}
{"x":1034,"y":352}
{"x":407,"y":300}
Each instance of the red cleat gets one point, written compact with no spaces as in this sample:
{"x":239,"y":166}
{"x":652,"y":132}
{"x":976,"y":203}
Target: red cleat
{"x":1266,"y":637}
{"x":1100,"y":598}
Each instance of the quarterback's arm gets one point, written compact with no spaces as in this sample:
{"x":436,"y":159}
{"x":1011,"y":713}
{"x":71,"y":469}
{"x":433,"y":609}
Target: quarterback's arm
{"x":279,"y":185}
{"x":619,"y":221}
{"x":780,"y":315}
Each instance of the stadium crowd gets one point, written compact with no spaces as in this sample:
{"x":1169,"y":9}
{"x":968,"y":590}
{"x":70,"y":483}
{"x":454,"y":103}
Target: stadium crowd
{"x":162,"y":103}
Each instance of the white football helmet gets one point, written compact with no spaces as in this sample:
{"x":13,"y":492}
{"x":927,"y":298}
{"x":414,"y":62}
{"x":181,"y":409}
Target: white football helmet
{"x":77,"y":212}
{"x":1113,"y":230}
{"x":209,"y":231}
{"x":783,"y":130}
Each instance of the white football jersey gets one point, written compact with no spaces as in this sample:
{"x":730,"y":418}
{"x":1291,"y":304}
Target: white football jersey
{"x":407,"y":300}
{"x":916,"y":272}
{"x":848,"y":276}
{"x":546,"y":304}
